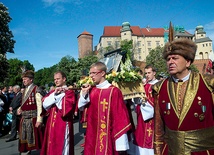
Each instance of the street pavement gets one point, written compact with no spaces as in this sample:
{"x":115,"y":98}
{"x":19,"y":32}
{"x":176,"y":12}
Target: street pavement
{"x":11,"y":148}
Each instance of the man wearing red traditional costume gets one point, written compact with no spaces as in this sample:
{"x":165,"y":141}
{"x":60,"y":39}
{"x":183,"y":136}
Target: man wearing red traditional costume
{"x":107,"y":120}
{"x":30,"y":130}
{"x":184,"y":109}
{"x":60,"y":105}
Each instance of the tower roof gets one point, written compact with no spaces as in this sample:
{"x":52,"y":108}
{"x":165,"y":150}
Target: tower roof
{"x":85,"y":33}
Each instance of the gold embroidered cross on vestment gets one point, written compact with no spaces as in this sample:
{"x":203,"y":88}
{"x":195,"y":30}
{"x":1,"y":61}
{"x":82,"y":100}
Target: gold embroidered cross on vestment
{"x":149,"y":131}
{"x":104,"y":103}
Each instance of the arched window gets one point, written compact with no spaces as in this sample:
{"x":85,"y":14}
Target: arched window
{"x":206,"y":55}
{"x":201,"y":55}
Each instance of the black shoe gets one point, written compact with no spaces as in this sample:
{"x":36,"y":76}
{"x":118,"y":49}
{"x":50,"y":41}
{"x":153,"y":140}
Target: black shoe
{"x":9,"y":140}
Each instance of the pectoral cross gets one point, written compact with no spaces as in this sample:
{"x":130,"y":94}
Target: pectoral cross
{"x":149,"y":131}
{"x":104,"y":103}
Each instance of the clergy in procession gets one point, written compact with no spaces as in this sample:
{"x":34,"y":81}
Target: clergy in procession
{"x":145,"y":116}
{"x":184,"y":107}
{"x":108,"y":120}
{"x":59,"y":105}
{"x":144,"y":132}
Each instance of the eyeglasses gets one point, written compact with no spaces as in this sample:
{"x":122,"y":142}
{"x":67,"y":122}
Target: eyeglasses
{"x":94,"y":73}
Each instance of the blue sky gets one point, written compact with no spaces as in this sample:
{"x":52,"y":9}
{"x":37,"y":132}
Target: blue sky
{"x":47,"y":30}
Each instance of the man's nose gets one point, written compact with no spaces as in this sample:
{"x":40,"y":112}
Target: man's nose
{"x":170,"y":61}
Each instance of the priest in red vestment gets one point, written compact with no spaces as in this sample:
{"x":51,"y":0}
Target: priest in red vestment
{"x":144,"y":133}
{"x":30,"y":128}
{"x":60,"y":106}
{"x":184,"y":106}
{"x":108,"y":120}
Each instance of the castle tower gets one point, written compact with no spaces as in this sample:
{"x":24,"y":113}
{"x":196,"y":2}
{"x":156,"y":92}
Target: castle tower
{"x":204,"y":44}
{"x":199,"y":32}
{"x":85,"y":44}
{"x":126,"y":32}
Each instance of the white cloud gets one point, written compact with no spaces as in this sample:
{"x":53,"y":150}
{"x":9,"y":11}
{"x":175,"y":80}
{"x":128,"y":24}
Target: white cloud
{"x":77,"y":2}
{"x":20,"y":31}
{"x":209,"y":26}
{"x":56,"y":2}
{"x":58,"y":5}
{"x":59,"y":9}
{"x":209,"y":29}
{"x":52,"y":2}
{"x":210,"y":34}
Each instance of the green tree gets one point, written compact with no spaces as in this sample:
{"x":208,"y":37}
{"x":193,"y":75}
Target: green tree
{"x":6,"y":42}
{"x":15,"y":71}
{"x":75,"y":69}
{"x":4,"y":66}
{"x":45,"y":76}
{"x":84,"y":65}
{"x":193,"y":68}
{"x":69,"y":66}
{"x":6,"y":36}
{"x":127,"y":46}
{"x":28,"y":65}
{"x":156,"y":59}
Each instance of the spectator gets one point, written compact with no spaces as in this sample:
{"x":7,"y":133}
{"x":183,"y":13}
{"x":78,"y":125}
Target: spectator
{"x":15,"y":104}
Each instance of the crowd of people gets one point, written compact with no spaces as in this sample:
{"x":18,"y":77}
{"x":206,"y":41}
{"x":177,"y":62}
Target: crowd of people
{"x":175,"y":117}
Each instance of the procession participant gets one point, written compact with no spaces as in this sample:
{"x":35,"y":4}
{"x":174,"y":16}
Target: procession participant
{"x":150,"y":73}
{"x":184,"y":108}
{"x":30,"y":130}
{"x":60,"y":105}
{"x":145,"y":115}
{"x":107,"y":120}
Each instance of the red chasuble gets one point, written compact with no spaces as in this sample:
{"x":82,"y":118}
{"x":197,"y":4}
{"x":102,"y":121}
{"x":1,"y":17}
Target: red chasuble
{"x":107,"y":120}
{"x":56,"y":126}
{"x":144,"y":132}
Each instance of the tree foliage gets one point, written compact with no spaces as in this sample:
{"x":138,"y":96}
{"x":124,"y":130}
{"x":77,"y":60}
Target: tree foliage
{"x":193,"y":68}
{"x":68,"y":65}
{"x":85,"y":63}
{"x":45,"y":76}
{"x":127,"y":46}
{"x":72,"y":68}
{"x":6,"y":43}
{"x":14,"y":71}
{"x":6,"y":36}
{"x":75,"y":69}
{"x":156,"y":59}
{"x":4,"y":66}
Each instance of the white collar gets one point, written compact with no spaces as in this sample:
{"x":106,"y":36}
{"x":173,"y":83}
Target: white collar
{"x":183,"y":79}
{"x":104,"y":84}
